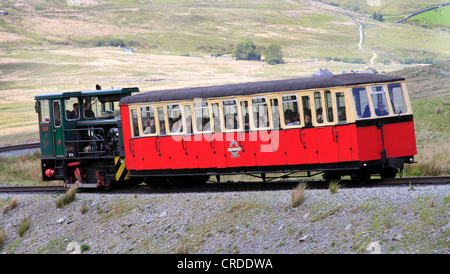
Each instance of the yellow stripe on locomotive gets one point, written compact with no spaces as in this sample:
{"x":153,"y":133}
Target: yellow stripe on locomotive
{"x":121,"y":169}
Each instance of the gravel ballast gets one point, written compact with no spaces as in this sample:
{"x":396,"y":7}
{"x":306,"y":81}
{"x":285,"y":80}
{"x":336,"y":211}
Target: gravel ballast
{"x":401,"y":219}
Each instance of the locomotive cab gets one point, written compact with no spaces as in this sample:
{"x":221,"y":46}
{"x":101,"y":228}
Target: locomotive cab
{"x":80,"y":136}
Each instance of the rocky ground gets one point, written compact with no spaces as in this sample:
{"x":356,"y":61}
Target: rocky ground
{"x":356,"y":220}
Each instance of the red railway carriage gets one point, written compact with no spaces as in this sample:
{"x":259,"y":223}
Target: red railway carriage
{"x":349,"y":124}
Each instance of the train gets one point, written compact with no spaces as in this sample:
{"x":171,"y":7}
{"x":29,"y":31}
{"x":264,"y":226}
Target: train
{"x":353,"y":124}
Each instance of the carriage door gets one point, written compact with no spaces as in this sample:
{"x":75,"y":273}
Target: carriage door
{"x":58,"y":129}
{"x":45,"y":128}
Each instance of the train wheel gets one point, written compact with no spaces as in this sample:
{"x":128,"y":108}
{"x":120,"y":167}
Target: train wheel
{"x":330,"y":176}
{"x":361,"y":176}
{"x":388,"y":173}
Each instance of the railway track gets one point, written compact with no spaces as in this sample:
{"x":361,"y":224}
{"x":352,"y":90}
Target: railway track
{"x":5,"y":149}
{"x":232,"y":186}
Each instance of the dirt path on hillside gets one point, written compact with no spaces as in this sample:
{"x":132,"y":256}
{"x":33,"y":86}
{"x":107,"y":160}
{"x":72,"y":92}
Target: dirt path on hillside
{"x":361,"y":40}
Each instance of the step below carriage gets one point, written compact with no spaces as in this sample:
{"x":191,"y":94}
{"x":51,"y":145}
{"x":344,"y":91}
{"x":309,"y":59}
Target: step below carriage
{"x":349,"y":124}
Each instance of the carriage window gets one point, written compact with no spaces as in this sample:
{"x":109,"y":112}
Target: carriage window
{"x":44,"y":111}
{"x":260,"y":112}
{"x":187,"y":112}
{"x":318,"y":105}
{"x":148,"y":119}
{"x":245,"y":114}
{"x":72,"y":108}
{"x":306,"y":104}
{"x":397,"y":99}
{"x":379,"y":100}
{"x":329,"y":106}
{"x":201,"y":111}
{"x":57,"y":113}
{"x":134,"y":122}
{"x":340,"y":104}
{"x":216,"y":117}
{"x":361,"y":102}
{"x":230,"y":114}
{"x":175,"y":119}
{"x":290,"y":109}
{"x":275,"y":110}
{"x":162,"y":122}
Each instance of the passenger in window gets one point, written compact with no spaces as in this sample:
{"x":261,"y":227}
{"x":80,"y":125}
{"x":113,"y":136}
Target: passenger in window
{"x":319,"y":116}
{"x":381,"y":109}
{"x":74,"y":113}
{"x":308,"y":120}
{"x":149,"y":126}
{"x":88,"y":113}
{"x":162,"y":128}
{"x":177,"y":125}
{"x":366,"y":112}
{"x":206,"y":124}
{"x":230,"y":122}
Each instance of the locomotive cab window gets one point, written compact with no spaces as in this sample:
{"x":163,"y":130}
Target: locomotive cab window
{"x":361,"y":102}
{"x":379,"y":100}
{"x":72,"y":108}
{"x":57,"y":113}
{"x":175,"y":118}
{"x":148,"y":120}
{"x":90,"y":107}
{"x":290,"y":110}
{"x":397,"y":99}
{"x":43,"y":110}
{"x":260,"y":112}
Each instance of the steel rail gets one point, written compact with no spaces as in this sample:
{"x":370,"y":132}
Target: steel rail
{"x":235,"y":186}
{"x":19,"y":147}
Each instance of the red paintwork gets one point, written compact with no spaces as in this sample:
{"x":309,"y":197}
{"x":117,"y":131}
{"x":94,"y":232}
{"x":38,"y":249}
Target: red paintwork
{"x":318,"y":145}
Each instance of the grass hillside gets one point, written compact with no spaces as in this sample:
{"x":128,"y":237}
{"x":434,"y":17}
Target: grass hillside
{"x":66,"y":45}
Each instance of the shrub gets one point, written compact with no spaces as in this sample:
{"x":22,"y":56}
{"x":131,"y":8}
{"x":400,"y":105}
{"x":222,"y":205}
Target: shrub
{"x":12,"y":204}
{"x":24,"y":226}
{"x":273,"y":55}
{"x":334,"y":186}
{"x":2,"y":238}
{"x":298,"y":194}
{"x":246,"y":51}
{"x":68,"y":197}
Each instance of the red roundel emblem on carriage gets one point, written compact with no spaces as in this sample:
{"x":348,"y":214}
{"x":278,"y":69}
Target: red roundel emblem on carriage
{"x":234,"y":149}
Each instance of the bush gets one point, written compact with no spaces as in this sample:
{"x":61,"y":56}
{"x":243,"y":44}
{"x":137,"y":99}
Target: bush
{"x":246,"y":51}
{"x":273,"y":55}
{"x":24,"y":226}
{"x":298,"y":194}
{"x":68,"y":197}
